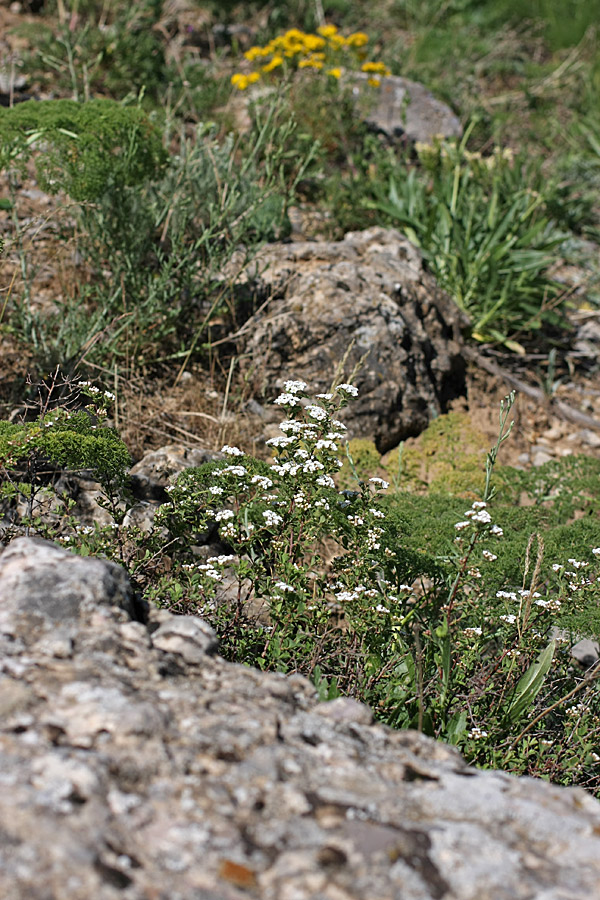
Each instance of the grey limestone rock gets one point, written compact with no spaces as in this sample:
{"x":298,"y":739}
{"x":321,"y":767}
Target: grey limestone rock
{"x":367,"y":296}
{"x":151,"y":474}
{"x":405,"y":110}
{"x":138,"y":765}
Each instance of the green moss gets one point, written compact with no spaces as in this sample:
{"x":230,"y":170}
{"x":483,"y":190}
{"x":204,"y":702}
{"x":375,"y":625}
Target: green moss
{"x":448,"y":458}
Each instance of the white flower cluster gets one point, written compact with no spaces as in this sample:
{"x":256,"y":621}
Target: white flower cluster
{"x":232,"y":451}
{"x":316,"y":412}
{"x":287,"y":400}
{"x":295,"y":387}
{"x":284,"y":587}
{"x":348,"y":389}
{"x":237,"y":471}
{"x":379,"y":482}
{"x":477,"y":733}
{"x":209,"y":571}
{"x":480,"y":517}
{"x":90,"y":388}
{"x":262,"y":481}
{"x":271,"y":518}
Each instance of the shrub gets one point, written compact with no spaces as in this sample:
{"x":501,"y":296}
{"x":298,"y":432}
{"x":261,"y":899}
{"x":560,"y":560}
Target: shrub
{"x":66,"y":436}
{"x":86,"y":149}
{"x":326,"y":582}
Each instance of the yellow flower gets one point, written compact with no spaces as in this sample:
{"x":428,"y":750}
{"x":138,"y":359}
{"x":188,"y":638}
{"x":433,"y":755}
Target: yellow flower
{"x":374,"y":82}
{"x":327,"y":30}
{"x":358,"y":39}
{"x":294,"y":34}
{"x":378,"y":68}
{"x":310,"y":63}
{"x":253,"y":53}
{"x":312,"y":42}
{"x":276,"y":61}
{"x":335,"y":73}
{"x":253,"y":77}
{"x":336,"y":41}
{"x":240,"y":81}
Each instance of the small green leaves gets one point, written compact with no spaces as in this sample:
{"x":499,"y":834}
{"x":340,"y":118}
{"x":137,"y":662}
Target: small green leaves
{"x":87,"y":147}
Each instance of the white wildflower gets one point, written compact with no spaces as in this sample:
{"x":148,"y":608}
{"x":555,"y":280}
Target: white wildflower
{"x":325,"y":481}
{"x":262,"y":481}
{"x":348,"y":389}
{"x":477,"y":733}
{"x":290,"y":425}
{"x":281,"y":441}
{"x":379,"y":482}
{"x":272,"y":518}
{"x":286,"y":400}
{"x":238,"y":471}
{"x":325,"y":444}
{"x":283,"y":586}
{"x":232,"y":451}
{"x":312,"y":465}
{"x":293,"y":387}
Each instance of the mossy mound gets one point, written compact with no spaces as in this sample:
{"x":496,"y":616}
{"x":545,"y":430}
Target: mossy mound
{"x":448,"y":457}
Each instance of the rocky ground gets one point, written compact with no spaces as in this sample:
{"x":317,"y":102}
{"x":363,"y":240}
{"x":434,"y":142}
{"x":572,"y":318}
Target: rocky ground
{"x":137,"y":764}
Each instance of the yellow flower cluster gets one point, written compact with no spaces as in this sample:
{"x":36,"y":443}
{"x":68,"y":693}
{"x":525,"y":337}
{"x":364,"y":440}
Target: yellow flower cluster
{"x":297,"y":49}
{"x":375,"y":70}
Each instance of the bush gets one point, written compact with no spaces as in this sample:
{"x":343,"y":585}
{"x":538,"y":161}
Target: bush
{"x":327,"y":583}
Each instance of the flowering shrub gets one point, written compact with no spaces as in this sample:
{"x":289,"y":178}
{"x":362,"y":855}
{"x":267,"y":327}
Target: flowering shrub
{"x":327,"y":50}
{"x":314,"y":579}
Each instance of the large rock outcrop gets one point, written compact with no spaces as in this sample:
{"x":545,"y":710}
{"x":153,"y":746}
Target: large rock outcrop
{"x":367,"y":300}
{"x":137,"y":764}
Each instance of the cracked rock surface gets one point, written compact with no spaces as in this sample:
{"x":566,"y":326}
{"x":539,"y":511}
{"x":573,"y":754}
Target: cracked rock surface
{"x":366,"y":300}
{"x":137,"y":764}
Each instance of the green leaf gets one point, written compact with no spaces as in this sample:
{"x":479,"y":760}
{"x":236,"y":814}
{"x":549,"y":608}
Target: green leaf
{"x":456,"y":726}
{"x":530,"y":684}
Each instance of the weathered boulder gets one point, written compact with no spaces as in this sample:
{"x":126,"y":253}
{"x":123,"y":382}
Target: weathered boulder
{"x":151,"y":474}
{"x":366,"y":299}
{"x":405,"y":110}
{"x":134,"y":764}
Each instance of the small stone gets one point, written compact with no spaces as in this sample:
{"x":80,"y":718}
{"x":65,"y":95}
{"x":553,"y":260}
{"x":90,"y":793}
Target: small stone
{"x":589,"y":437}
{"x":540,"y":457}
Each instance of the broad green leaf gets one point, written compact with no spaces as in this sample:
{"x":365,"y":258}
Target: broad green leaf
{"x":530,"y":683}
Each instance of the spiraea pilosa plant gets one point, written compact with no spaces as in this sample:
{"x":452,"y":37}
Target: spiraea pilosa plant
{"x":315,"y":580}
